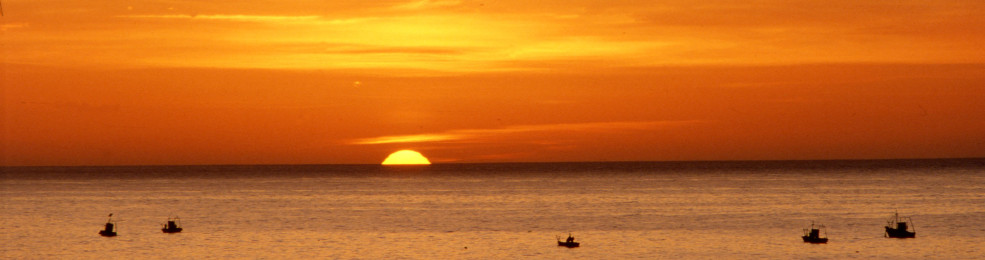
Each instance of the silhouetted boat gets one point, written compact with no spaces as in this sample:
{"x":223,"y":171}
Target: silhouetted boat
{"x":110,"y":230}
{"x":813,"y":235}
{"x":570,"y":242}
{"x":900,"y":227}
{"x":173,"y":225}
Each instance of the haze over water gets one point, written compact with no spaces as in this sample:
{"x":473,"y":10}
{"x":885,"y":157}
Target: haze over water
{"x":632,"y":210}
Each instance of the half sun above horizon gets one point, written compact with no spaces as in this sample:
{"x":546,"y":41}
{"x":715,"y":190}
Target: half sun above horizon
{"x":406,"y":157}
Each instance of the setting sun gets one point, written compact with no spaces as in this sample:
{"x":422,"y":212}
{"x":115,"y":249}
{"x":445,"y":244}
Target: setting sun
{"x":404,"y":157}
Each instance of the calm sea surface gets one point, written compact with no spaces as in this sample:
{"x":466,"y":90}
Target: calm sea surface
{"x":695,"y":210}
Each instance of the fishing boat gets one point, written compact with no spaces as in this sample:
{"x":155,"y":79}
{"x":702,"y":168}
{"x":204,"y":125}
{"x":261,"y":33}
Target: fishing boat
{"x":900,"y":227}
{"x":813,"y":235}
{"x":569,"y":243}
{"x":110,"y":230}
{"x":173,"y":225}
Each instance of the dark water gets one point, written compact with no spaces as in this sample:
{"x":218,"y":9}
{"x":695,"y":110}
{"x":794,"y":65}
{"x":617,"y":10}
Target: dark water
{"x":748,"y":210}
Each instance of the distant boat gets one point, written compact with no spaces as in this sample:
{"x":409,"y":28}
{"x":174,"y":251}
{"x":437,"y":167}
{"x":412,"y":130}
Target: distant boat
{"x":173,"y":225}
{"x":570,"y":242}
{"x":110,"y":230}
{"x":813,"y":235}
{"x":900,"y":227}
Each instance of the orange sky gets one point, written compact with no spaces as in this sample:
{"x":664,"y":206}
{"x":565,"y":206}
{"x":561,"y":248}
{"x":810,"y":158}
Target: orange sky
{"x":279,"y":82}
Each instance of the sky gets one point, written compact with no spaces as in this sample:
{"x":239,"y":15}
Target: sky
{"x":107,"y":82}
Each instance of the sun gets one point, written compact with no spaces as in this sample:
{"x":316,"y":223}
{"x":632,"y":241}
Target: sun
{"x":405,"y":157}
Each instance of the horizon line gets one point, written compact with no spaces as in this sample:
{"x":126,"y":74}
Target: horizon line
{"x":491,"y":163}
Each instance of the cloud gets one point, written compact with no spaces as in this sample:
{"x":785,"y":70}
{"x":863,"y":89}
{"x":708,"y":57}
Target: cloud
{"x":229,"y":17}
{"x":465,"y":134}
{"x":456,"y":36}
{"x":4,"y":27}
{"x":427,"y":4}
{"x":411,"y":138}
{"x":398,"y":49}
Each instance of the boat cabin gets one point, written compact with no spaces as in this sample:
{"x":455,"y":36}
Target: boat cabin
{"x":110,"y":229}
{"x":813,"y":235}
{"x":569,"y":242}
{"x":900,"y":227}
{"x":173,"y":226}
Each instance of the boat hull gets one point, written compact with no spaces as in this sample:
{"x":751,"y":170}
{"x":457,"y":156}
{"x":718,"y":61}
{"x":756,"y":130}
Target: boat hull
{"x":899,"y":233}
{"x":107,"y":233}
{"x":171,"y":230}
{"x":814,"y":240}
{"x":568,"y":244}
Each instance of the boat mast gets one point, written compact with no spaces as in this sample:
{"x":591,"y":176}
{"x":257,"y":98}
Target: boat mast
{"x":910,"y":220}
{"x":896,"y":219}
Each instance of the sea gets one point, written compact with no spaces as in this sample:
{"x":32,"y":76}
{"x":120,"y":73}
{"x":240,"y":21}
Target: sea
{"x":616,"y":210}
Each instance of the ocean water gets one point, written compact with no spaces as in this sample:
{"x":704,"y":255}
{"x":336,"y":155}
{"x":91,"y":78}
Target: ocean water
{"x":629,"y":210}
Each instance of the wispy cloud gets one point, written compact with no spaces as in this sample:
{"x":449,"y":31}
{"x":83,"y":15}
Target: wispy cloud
{"x":411,"y":50}
{"x":410,"y":138}
{"x":4,"y":27}
{"x":461,"y":36}
{"x":466,"y":134}
{"x":229,"y":17}
{"x":425,"y":4}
